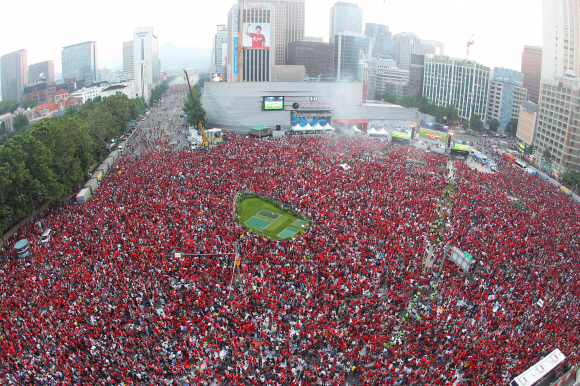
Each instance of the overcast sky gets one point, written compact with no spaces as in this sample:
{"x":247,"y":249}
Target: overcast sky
{"x":500,"y":27}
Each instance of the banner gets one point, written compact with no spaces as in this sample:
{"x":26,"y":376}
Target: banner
{"x":256,"y":36}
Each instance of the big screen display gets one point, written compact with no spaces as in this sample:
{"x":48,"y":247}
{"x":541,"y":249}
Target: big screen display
{"x":217,"y":77}
{"x":256,"y":36}
{"x":433,"y":131}
{"x":398,"y":134}
{"x":461,"y":147}
{"x":273,"y":103}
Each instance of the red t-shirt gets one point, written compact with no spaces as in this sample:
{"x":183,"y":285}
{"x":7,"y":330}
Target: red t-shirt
{"x":258,"y":40}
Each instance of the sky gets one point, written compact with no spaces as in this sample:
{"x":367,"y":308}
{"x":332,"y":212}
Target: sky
{"x":500,"y":28}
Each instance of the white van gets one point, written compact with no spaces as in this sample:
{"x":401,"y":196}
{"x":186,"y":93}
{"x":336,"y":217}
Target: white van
{"x":45,"y":236}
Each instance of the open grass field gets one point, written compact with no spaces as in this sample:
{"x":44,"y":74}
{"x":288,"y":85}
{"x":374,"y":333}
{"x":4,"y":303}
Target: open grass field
{"x":268,"y":220}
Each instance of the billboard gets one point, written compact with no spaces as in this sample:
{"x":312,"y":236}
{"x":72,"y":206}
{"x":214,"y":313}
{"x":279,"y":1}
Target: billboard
{"x":460,"y":147}
{"x":217,"y":77}
{"x":273,"y":103}
{"x":383,"y":56}
{"x":398,"y":134}
{"x":224,"y":51}
{"x":433,"y":131}
{"x":235,"y":63}
{"x":256,"y":36}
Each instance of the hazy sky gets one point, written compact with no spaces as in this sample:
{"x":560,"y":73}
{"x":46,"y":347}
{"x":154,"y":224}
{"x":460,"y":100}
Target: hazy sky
{"x":501,"y":27}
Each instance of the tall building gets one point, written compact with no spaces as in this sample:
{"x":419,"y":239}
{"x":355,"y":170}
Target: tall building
{"x":14,"y":75}
{"x":432,"y":47}
{"x":80,"y":61}
{"x":558,"y":128}
{"x":404,"y":45}
{"x":347,"y":48}
{"x":317,"y":57}
{"x":506,"y":95}
{"x":532,"y":70}
{"x":416,"y":75}
{"x":257,"y":49}
{"x":560,"y":53}
{"x":345,"y":17}
{"x":289,"y":26}
{"x":46,"y":69}
{"x":459,"y":82}
{"x":128,"y":65}
{"x":219,"y":49}
{"x":145,"y":48}
{"x":141,"y":80}
{"x":383,"y":48}
{"x":527,"y":121}
{"x":388,"y":77}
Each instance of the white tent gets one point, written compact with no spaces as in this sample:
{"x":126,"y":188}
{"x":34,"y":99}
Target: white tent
{"x":318,"y":126}
{"x":356,"y":130}
{"x":307,"y":127}
{"x":382,"y":132}
{"x":296,"y":128}
{"x":372,"y":131}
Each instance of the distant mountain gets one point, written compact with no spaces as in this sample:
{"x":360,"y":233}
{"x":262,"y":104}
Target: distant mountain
{"x":176,"y":58}
{"x":114,"y":63}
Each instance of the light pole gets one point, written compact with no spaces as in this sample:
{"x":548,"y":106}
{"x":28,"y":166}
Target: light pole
{"x":33,"y":208}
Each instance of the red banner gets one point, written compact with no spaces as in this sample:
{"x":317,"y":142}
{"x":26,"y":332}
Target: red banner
{"x":350,"y":121}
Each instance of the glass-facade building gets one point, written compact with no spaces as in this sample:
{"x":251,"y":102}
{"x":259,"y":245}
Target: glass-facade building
{"x":506,"y":95}
{"x":80,"y":61}
{"x":345,"y":17}
{"x":347,"y":48}
{"x":383,"y":48}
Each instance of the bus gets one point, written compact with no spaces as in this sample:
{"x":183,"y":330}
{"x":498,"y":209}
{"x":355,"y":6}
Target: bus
{"x":520,"y":164}
{"x":541,"y":372}
{"x":509,"y":157}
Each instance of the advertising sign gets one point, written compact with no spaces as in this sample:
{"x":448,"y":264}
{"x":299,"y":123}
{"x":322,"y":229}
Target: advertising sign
{"x":398,"y":134}
{"x":273,"y":103}
{"x":386,"y":56}
{"x":235,"y":64}
{"x":312,"y":106}
{"x":350,"y":121}
{"x":256,"y":36}
{"x":217,"y":77}
{"x":224,"y":51}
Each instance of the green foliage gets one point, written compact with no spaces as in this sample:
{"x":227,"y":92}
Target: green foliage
{"x":493,"y":124}
{"x":512,"y":128}
{"x":202,"y":77}
{"x":572,"y":179}
{"x":20,"y":122}
{"x":160,"y":89}
{"x":475,"y":122}
{"x":28,"y":103}
{"x":8,"y":106}
{"x":465,"y":124}
{"x":422,"y":104}
{"x":189,"y":110}
{"x":547,"y":157}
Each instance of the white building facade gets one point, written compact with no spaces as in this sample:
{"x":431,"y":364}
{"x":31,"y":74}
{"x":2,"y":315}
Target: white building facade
{"x":145,"y":48}
{"x":404,"y":45}
{"x":560,"y":53}
{"x":128,"y":65}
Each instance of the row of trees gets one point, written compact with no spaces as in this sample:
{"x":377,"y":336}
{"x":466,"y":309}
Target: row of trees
{"x":160,"y":89}
{"x":52,"y":155}
{"x":10,"y":105}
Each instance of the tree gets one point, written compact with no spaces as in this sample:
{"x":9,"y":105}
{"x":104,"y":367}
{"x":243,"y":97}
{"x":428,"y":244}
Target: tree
{"x":451,"y":113}
{"x":465,"y":124}
{"x":475,"y":122}
{"x":493,"y":124}
{"x":189,"y":110}
{"x":28,"y":103}
{"x":547,"y":158}
{"x":202,"y":78}
{"x":572,"y":178}
{"x":512,"y":128}
{"x":8,"y":105}
{"x":20,"y":121}
{"x":2,"y":128}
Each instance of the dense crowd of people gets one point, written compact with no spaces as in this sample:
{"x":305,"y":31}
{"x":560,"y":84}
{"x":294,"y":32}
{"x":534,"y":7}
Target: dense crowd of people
{"x":107,"y":301}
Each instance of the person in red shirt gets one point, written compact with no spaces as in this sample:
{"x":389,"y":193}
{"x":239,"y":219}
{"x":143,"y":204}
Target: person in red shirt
{"x":258,"y":40}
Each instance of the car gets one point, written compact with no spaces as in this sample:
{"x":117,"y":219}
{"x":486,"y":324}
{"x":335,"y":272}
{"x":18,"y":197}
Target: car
{"x":45,"y":238}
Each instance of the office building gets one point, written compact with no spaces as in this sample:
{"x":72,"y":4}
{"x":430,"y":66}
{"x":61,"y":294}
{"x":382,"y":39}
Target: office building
{"x":347,"y":48}
{"x":558,"y":128}
{"x":388,"y":77}
{"x":383,"y":48}
{"x":532,"y":70}
{"x":404,"y":45}
{"x":316,"y":56}
{"x":416,"y":74}
{"x":561,"y":45}
{"x":506,"y":95}
{"x":458,"y":82}
{"x":219,"y":49}
{"x":142,"y":80}
{"x":42,"y":70}
{"x":80,"y":61}
{"x":345,"y":17}
{"x":432,"y":47}
{"x":40,"y":92}
{"x":253,"y":63}
{"x":289,"y":26}
{"x":145,"y":48}
{"x":528,"y":118}
{"x":14,"y":75}
{"x":128,"y":65}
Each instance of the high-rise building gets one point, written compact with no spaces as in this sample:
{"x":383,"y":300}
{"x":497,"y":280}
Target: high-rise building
{"x":532,"y":70}
{"x":558,"y":128}
{"x":416,"y":74}
{"x":219,"y":49}
{"x":432,"y":47}
{"x":257,"y":49}
{"x":506,"y":95}
{"x":347,"y":48}
{"x":46,"y":69}
{"x":388,"y":77}
{"x":383,"y":48}
{"x":145,"y":48}
{"x":404,"y":45}
{"x":14,"y":75}
{"x":80,"y":61}
{"x":345,"y":17}
{"x":317,"y":57}
{"x":289,"y":26}
{"x":527,"y":121}
{"x":128,"y":65}
{"x":458,"y":82}
{"x":561,"y":40}
{"x":141,"y":80}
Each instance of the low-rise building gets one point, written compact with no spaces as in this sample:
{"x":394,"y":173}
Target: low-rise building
{"x":40,"y":92}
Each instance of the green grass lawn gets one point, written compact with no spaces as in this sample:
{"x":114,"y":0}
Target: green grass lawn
{"x":251,"y":210}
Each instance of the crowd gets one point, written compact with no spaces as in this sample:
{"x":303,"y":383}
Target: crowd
{"x":107,"y":301}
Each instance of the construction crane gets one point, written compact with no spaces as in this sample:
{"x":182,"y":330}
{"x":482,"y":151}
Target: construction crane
{"x":470,"y":42}
{"x":204,"y":144}
{"x":364,"y":59}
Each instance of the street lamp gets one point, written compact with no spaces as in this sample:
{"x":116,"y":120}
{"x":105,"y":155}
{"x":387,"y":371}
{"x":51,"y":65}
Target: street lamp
{"x":32,"y":201}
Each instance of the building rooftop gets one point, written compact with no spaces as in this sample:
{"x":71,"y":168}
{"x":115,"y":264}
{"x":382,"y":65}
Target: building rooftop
{"x":61,"y":91}
{"x":50,"y":106}
{"x":530,"y":107}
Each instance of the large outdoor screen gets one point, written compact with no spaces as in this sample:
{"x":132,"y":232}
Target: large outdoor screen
{"x":256,"y":36}
{"x":457,"y":146}
{"x":433,"y":131}
{"x":273,"y":103}
{"x":399,"y":134}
